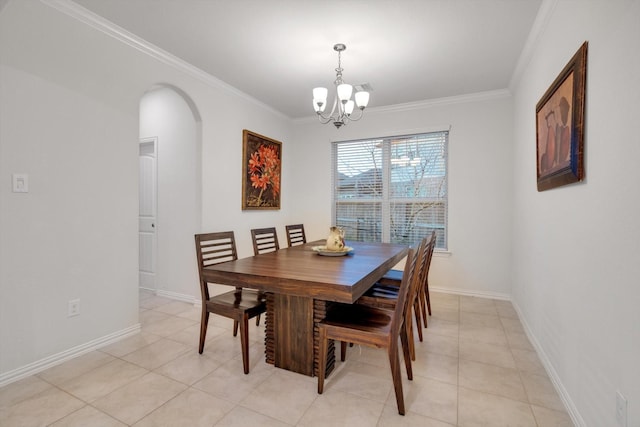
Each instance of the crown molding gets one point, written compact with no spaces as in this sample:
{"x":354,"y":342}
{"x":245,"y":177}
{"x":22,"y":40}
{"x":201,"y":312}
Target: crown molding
{"x":97,"y":22}
{"x":428,"y":103}
{"x":542,"y":20}
{"x":450,"y":100}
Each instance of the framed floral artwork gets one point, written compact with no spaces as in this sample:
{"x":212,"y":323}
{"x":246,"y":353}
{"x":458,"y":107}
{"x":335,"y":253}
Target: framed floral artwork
{"x":560,"y":126}
{"x":261,"y":171}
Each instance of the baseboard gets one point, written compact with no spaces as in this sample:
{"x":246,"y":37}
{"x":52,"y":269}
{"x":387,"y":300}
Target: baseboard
{"x":173,"y":295}
{"x":465,"y":292}
{"x":56,"y":359}
{"x":176,"y":296}
{"x":577,"y":419}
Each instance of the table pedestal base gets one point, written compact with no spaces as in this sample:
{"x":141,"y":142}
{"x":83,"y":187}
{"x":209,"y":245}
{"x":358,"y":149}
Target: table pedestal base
{"x":291,"y":335}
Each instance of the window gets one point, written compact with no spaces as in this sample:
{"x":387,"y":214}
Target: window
{"x":392,"y":189}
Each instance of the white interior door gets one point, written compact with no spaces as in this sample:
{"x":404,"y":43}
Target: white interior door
{"x":147,"y":216}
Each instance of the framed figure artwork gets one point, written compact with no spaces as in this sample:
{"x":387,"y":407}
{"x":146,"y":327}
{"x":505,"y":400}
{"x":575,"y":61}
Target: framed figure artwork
{"x":261,"y":171}
{"x":560,"y":126}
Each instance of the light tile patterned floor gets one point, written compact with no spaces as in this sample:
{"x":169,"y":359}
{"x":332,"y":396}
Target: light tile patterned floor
{"x":475,"y":367}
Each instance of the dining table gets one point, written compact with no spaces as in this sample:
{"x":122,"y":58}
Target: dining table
{"x":301,"y":283}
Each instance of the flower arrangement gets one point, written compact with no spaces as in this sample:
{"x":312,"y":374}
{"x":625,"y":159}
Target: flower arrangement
{"x":261,"y":171}
{"x":264,"y":175}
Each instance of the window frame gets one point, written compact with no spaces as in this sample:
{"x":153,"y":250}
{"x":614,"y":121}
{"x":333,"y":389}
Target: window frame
{"x":386,"y":201}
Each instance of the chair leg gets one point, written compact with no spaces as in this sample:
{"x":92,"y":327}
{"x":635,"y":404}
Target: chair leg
{"x":416,"y":311}
{"x":411,"y":344}
{"x":244,"y":342}
{"x":235,"y":328}
{"x":423,"y":306}
{"x":394,"y":362}
{"x":426,"y":292}
{"x":322,"y":358}
{"x":343,"y":350}
{"x":258,"y":320}
{"x":408,"y":357}
{"x":203,"y":328}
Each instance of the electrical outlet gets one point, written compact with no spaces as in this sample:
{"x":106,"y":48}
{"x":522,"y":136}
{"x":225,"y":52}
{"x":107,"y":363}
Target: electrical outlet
{"x":621,"y":409}
{"x":73,"y":309}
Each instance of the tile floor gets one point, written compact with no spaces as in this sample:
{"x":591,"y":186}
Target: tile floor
{"x":474,"y":368}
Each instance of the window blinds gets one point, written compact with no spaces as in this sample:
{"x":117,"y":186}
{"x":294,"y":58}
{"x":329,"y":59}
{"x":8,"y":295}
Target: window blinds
{"x":392,"y":189}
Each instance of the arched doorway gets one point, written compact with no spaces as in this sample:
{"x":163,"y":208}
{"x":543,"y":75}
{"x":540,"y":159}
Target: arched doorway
{"x":170,"y":120}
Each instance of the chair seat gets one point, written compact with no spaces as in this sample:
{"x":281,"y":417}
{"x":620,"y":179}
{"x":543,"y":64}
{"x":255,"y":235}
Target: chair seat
{"x":391,"y":278}
{"x":379,"y":297}
{"x":386,"y":297}
{"x":361,"y":317}
{"x":238,"y":302}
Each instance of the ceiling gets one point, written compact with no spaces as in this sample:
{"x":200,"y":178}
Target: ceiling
{"x":278,"y":50}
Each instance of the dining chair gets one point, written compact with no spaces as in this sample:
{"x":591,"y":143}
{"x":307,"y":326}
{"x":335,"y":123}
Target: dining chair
{"x":383,"y":296}
{"x":374,"y":327}
{"x":295,"y":235}
{"x":265,"y":240}
{"x":393,"y":278}
{"x":239,"y":304}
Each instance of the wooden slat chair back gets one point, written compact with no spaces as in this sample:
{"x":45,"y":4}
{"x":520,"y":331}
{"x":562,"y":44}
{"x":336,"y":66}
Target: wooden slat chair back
{"x":375,"y":327}
{"x":393,"y":278}
{"x":239,"y":304}
{"x":265,"y":240}
{"x":295,"y":235}
{"x":216,"y":248}
{"x":425,"y":286}
{"x":386,"y":296}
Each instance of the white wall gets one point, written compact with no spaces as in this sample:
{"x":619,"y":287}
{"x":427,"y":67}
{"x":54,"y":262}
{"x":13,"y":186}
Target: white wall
{"x":71,"y":236}
{"x":577,"y":248}
{"x":479,"y":182}
{"x":69,"y":117}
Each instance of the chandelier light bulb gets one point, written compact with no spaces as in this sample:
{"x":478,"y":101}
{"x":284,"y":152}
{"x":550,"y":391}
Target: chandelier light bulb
{"x":348,"y":107}
{"x":320,"y":94}
{"x":344,"y":92}
{"x":362,"y":99}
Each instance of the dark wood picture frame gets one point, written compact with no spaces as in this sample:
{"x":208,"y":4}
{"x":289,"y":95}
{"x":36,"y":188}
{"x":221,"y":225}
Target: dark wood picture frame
{"x":261,"y":171}
{"x":560,"y":126}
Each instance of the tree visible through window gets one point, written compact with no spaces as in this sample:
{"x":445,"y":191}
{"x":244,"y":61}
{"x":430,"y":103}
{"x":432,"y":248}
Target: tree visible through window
{"x":392,"y":189}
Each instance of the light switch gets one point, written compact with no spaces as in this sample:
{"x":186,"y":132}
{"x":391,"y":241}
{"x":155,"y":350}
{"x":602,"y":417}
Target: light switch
{"x":20,"y":183}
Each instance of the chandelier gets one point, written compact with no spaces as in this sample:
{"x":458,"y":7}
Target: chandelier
{"x":343,"y":105}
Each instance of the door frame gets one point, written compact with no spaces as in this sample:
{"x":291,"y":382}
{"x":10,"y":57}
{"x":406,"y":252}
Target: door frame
{"x":152,"y":285}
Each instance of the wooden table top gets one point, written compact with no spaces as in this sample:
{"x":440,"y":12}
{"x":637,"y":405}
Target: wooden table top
{"x":301,"y":271}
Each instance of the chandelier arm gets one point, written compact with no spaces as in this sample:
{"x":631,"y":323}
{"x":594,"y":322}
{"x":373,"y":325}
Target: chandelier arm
{"x":359,"y":117}
{"x":330,"y":116}
{"x":324,"y":120}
